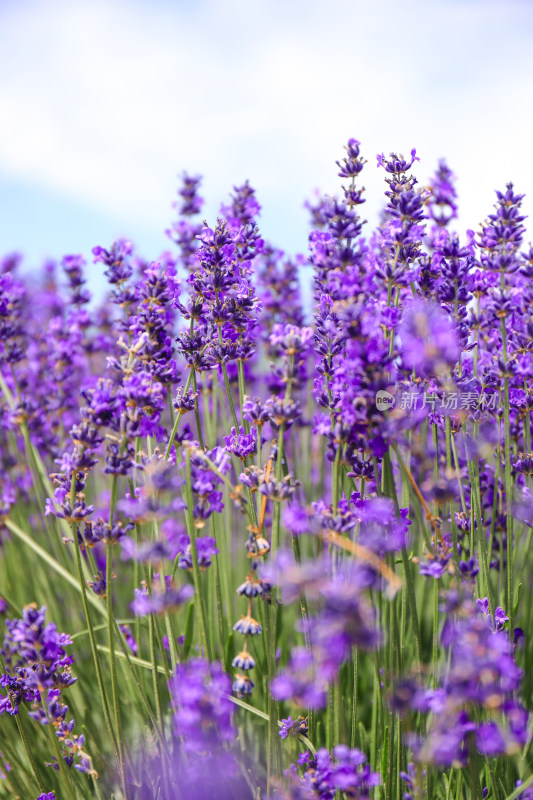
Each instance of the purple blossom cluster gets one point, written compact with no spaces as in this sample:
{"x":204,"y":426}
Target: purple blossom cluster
{"x":324,"y":775}
{"x":36,"y":672}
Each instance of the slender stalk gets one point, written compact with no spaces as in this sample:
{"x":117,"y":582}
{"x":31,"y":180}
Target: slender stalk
{"x":130,"y":663}
{"x":221,"y":617}
{"x":228,"y":387}
{"x":353,"y":730}
{"x":197,"y":411}
{"x":24,"y":739}
{"x":157,"y":699}
{"x":473,"y":768}
{"x":177,"y":420}
{"x":240,"y":368}
{"x":111,"y":641}
{"x":67,"y":780}
{"x":174,"y":658}
{"x":481,"y":535}
{"x":335,"y":479}
{"x":170,"y":406}
{"x":94,"y":647}
{"x":508,"y":486}
{"x":195,"y":568}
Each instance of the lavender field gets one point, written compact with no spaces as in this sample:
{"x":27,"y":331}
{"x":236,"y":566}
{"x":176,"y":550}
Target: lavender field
{"x":266,"y":521}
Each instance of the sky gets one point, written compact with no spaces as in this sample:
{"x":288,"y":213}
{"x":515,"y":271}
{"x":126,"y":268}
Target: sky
{"x":104,"y":103}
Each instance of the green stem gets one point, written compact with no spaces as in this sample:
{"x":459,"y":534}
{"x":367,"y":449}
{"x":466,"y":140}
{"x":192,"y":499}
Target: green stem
{"x":335,"y":479}
{"x":151,"y":636}
{"x":228,"y":388}
{"x":94,"y":647}
{"x":353,"y":731}
{"x":194,"y":553}
{"x":240,"y":367}
{"x":24,"y":739}
{"x":168,"y":621}
{"x":197,"y":412}
{"x":170,"y":407}
{"x":111,"y":640}
{"x":508,"y":485}
{"x":473,"y":768}
{"x":60,"y":762}
{"x":177,"y":420}
{"x":130,"y":662}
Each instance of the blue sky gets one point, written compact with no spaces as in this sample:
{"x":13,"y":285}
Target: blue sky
{"x":104,"y":103}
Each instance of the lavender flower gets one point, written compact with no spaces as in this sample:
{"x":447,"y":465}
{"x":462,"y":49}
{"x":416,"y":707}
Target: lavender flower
{"x":293,"y":727}
{"x":344,"y":771}
{"x":158,"y":602}
{"x":203,"y":714}
{"x":241,"y":444}
{"x":482,"y":675}
{"x":443,"y":202}
{"x":429,"y":342}
{"x":38,"y":671}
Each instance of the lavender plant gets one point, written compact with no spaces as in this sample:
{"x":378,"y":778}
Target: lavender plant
{"x":290,"y":545}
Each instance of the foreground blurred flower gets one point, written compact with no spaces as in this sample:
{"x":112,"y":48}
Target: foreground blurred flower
{"x":204,"y":764}
{"x":326,"y":775}
{"x":429,"y":341}
{"x":482,"y":676}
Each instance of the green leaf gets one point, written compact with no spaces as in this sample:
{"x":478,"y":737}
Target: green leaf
{"x":517,"y":601}
{"x":229,"y":651}
{"x":520,"y":789}
{"x":385,"y":752}
{"x":363,"y":737}
{"x":55,"y":565}
{"x":189,"y":630}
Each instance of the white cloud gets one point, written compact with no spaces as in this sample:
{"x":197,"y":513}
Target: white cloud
{"x":107,"y":101}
